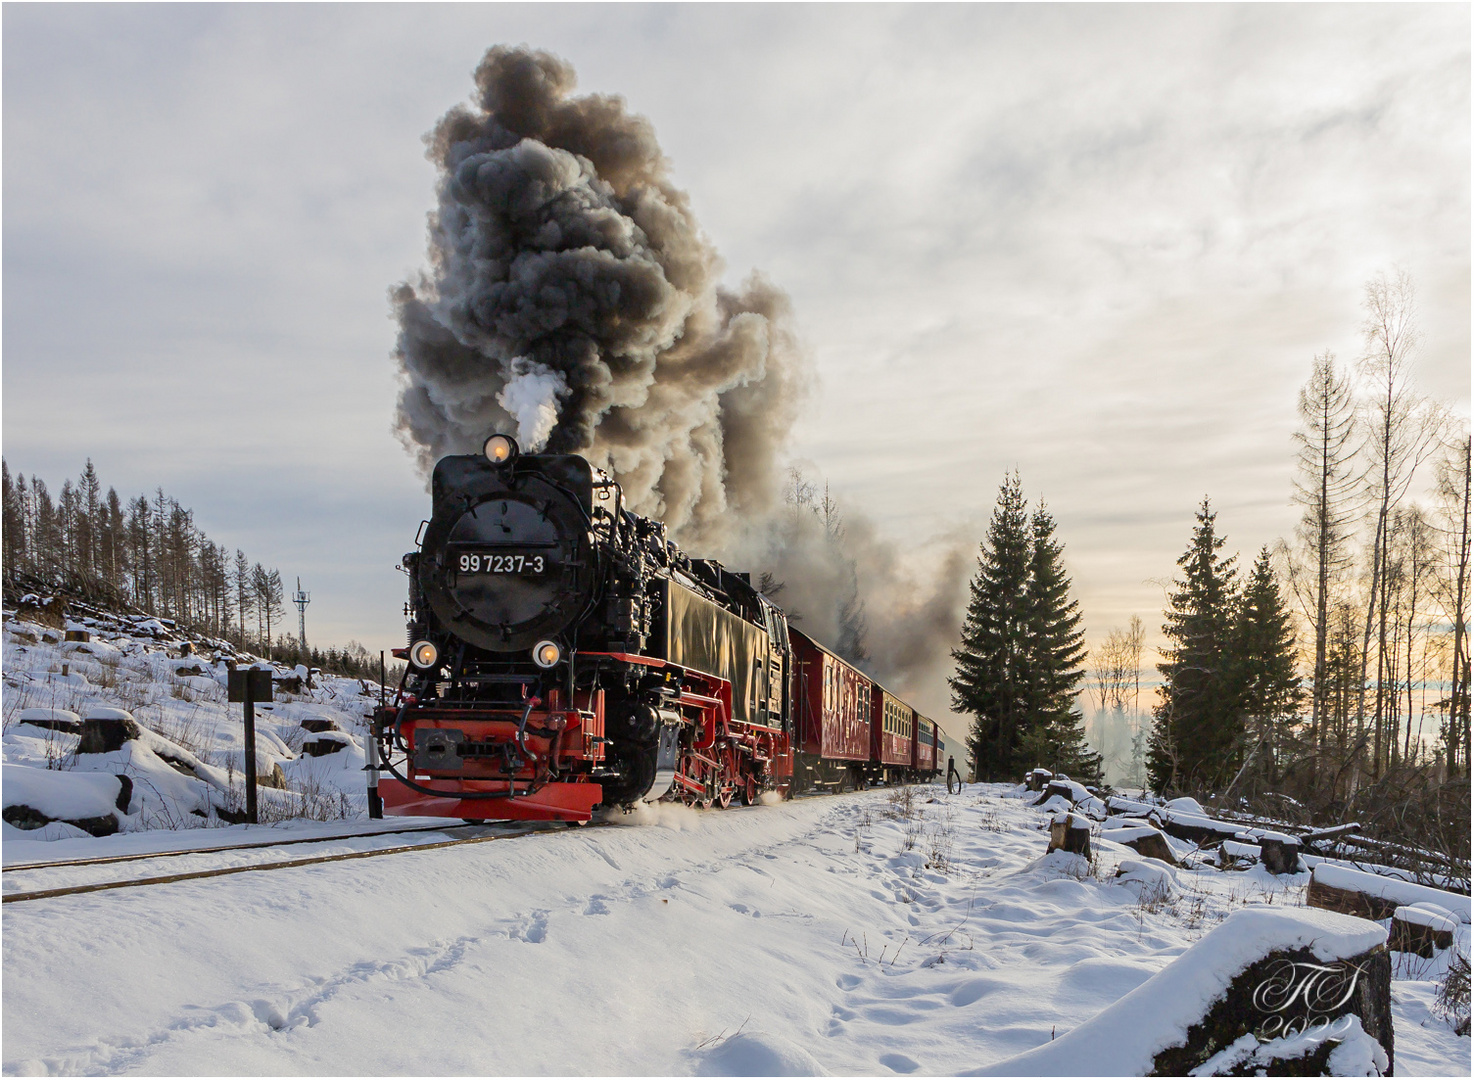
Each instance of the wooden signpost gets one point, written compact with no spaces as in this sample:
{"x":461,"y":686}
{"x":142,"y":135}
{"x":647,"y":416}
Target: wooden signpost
{"x":250,"y":685}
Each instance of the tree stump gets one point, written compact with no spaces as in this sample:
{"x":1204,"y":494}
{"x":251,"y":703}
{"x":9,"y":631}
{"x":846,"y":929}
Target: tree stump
{"x":1154,"y":846}
{"x":78,"y":635}
{"x":1037,"y":778}
{"x":1280,"y":995}
{"x":1421,"y":930}
{"x":318,"y":723}
{"x":1070,"y":833}
{"x":1280,"y":854}
{"x":106,"y":730}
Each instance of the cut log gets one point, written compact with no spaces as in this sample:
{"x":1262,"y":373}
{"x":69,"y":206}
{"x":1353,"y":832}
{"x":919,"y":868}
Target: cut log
{"x":1070,"y":833}
{"x":318,"y":723}
{"x":1324,"y":836}
{"x":1421,"y":930}
{"x":1203,"y":831}
{"x":1348,"y":901}
{"x":1355,"y":892}
{"x":78,"y":635}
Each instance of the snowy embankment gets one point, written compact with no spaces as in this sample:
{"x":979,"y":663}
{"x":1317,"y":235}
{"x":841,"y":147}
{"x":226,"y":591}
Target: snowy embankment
{"x":837,"y":935}
{"x":184,"y":763}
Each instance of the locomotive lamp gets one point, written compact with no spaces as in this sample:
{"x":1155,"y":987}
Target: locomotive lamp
{"x":500,"y":449}
{"x":546,"y":654}
{"x":424,"y":654}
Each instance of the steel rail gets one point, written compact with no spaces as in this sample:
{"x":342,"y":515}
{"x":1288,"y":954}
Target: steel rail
{"x":45,"y":894}
{"x":227,"y":847}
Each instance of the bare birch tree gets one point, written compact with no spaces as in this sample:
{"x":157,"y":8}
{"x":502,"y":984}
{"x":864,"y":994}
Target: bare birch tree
{"x":1451,"y":590}
{"x":1402,"y":429}
{"x":1327,"y":486}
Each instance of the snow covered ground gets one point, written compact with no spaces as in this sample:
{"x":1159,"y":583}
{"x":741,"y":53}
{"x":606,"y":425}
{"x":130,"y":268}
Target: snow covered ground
{"x":845,"y":935}
{"x":829,"y":935}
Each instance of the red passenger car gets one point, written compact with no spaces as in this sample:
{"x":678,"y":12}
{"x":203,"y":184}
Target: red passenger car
{"x":831,"y":715}
{"x":891,"y":731}
{"x":925,"y":761}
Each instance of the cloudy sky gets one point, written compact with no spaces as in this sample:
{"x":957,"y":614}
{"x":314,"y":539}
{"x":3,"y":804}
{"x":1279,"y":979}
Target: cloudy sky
{"x":1097,"y":244}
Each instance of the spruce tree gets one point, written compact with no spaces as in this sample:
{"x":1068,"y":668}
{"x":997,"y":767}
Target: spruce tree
{"x":1196,"y":733}
{"x":1055,"y":657}
{"x":991,"y":662}
{"x":1268,"y":687}
{"x":1019,"y":664}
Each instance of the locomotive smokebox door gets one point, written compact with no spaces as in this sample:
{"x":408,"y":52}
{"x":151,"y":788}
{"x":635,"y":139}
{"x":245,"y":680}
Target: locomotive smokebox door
{"x":249,"y":684}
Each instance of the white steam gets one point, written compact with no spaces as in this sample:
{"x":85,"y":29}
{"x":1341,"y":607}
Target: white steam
{"x":531,"y":397}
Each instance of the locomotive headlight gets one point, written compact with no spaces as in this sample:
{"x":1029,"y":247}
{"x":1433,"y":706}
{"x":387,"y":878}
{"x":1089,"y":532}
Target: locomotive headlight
{"x":424,"y":654}
{"x":500,"y":449}
{"x":546,"y":654}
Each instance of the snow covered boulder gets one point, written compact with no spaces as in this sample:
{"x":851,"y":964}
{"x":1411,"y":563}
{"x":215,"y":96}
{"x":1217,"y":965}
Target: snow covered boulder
{"x":89,"y":801}
{"x":1283,"y":991}
{"x":328,"y":742}
{"x":105,"y":730}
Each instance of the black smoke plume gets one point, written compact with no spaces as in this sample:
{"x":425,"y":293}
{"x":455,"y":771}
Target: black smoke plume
{"x":573,"y":298}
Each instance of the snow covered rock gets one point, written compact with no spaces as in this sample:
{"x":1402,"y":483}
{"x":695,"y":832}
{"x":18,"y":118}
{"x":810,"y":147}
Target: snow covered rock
{"x":1286,"y":979}
{"x":328,"y":742}
{"x":88,"y":801}
{"x":105,"y":730}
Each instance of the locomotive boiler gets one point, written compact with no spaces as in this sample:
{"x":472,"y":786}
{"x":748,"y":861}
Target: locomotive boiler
{"x":564,"y":655}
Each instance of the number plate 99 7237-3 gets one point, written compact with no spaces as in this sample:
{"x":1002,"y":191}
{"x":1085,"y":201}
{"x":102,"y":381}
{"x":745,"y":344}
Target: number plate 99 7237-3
{"x":471,"y":563}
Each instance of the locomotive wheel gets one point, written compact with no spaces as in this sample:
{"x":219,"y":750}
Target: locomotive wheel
{"x":750,"y":791}
{"x":724,"y":799}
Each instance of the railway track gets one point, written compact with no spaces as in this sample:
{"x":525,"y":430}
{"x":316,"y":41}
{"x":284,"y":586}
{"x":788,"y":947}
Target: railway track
{"x":19,"y":867}
{"x":501,"y":833}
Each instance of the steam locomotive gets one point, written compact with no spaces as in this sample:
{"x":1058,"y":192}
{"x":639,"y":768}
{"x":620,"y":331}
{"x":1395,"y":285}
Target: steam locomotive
{"x":564,"y":655}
